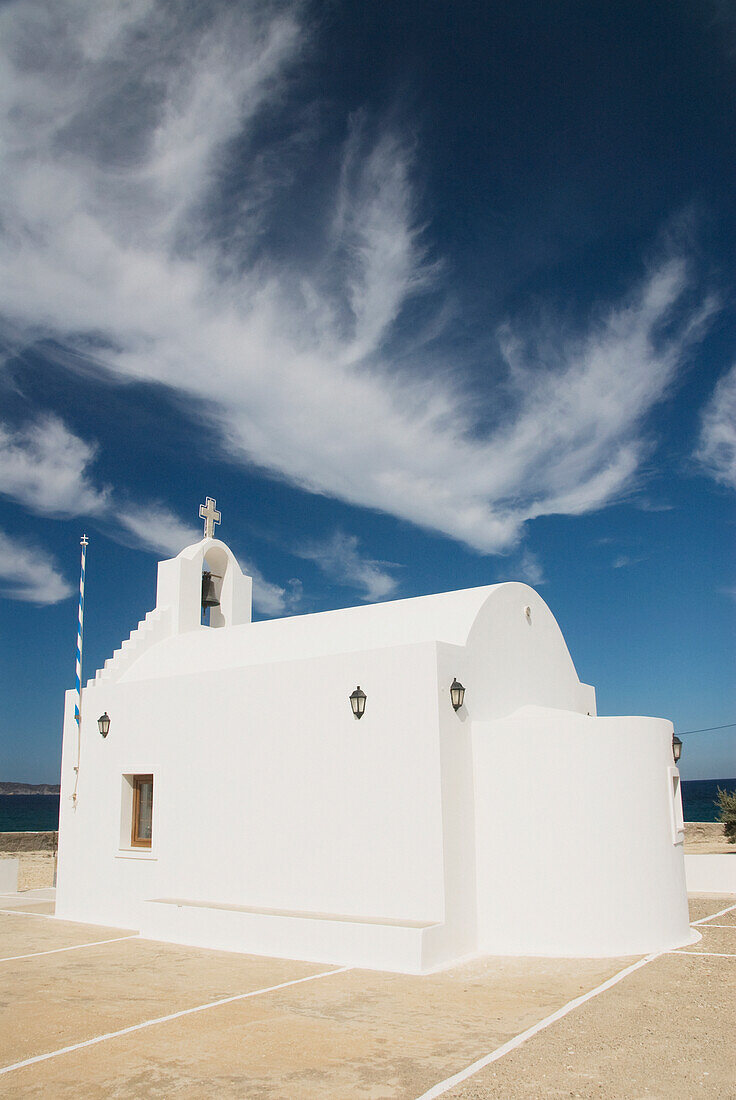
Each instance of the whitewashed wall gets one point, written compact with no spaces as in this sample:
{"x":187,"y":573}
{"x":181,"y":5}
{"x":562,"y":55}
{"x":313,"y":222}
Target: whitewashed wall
{"x":577,"y":836}
{"x":268,"y":792}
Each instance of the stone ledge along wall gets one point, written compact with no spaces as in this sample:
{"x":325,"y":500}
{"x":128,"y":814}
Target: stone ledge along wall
{"x":29,"y":842}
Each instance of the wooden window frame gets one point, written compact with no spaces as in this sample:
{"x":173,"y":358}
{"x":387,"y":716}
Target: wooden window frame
{"x":135,"y":840}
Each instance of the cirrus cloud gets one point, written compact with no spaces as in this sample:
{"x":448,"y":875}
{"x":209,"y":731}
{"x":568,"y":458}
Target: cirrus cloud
{"x":29,"y":574}
{"x":45,"y":467}
{"x":716,"y":450}
{"x":118,"y":137}
{"x":339,"y":557}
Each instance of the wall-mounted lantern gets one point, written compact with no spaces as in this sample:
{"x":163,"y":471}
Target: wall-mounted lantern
{"x":457,"y":694}
{"x":676,"y":747}
{"x":357,"y":702}
{"x":103,"y":724}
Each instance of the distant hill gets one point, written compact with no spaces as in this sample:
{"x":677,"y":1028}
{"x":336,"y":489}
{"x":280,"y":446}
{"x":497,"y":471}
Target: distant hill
{"x":29,"y":788}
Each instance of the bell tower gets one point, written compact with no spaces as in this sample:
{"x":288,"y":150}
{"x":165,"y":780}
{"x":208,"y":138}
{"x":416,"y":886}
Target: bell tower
{"x":205,"y":574}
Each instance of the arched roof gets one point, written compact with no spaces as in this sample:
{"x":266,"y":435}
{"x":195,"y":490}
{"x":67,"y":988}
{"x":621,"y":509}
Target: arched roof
{"x":445,"y":617}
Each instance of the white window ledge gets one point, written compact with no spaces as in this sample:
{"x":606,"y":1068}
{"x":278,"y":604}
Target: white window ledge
{"x":135,"y":853}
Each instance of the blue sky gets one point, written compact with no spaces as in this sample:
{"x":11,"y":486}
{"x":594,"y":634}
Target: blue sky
{"x":426,"y":295}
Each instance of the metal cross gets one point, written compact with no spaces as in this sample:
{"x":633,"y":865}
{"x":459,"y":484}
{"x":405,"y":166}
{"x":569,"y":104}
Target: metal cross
{"x":208,"y":512}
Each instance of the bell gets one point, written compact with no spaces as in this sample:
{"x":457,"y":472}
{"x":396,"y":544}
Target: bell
{"x":209,"y":590}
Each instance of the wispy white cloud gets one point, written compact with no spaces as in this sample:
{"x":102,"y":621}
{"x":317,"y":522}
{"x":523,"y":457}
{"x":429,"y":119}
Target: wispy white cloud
{"x":621,"y":561}
{"x":104,"y":205}
{"x":45,"y":466}
{"x":647,"y":504}
{"x":29,"y":574}
{"x":155,"y":527}
{"x":340,"y":559}
{"x":716,"y":450}
{"x":374,"y":228}
{"x":529,"y":569}
{"x":270,"y":598}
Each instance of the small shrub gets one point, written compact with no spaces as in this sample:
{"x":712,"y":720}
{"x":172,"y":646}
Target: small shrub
{"x":727,"y":805}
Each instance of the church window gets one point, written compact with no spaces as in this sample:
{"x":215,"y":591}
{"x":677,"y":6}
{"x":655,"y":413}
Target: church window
{"x":676,"y":816}
{"x":142,"y":817}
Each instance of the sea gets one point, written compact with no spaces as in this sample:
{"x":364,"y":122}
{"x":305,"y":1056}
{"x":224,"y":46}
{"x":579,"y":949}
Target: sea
{"x":699,"y":798}
{"x":30,"y":813}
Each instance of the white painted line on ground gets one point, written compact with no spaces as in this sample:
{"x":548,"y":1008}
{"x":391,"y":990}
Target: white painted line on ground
{"x":171,"y":1016}
{"x":704,"y":920}
{"x":731,"y":927}
{"x":481,"y":1063}
{"x":74,"y":947}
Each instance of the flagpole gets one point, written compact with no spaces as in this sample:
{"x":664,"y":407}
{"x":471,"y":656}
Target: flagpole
{"x":84,"y":543}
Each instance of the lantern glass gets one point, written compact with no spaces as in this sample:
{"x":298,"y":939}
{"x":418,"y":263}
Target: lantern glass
{"x":357,"y":702}
{"x":676,"y":747}
{"x":103,"y":724}
{"x":457,"y":694}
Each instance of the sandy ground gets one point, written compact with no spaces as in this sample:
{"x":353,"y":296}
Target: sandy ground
{"x":231,"y":1027}
{"x":36,"y":855}
{"x":35,"y":869}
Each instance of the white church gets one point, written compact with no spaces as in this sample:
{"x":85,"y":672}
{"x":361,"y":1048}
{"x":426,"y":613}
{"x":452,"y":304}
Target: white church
{"x":395,"y":786}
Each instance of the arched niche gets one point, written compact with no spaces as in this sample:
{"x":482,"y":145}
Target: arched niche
{"x":180,"y":586}
{"x":220,"y":564}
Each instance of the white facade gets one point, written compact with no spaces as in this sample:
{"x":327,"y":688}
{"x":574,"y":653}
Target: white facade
{"x":522,"y":824}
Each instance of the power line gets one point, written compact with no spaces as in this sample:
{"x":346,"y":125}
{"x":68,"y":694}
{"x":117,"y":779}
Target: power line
{"x":707,"y":729}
